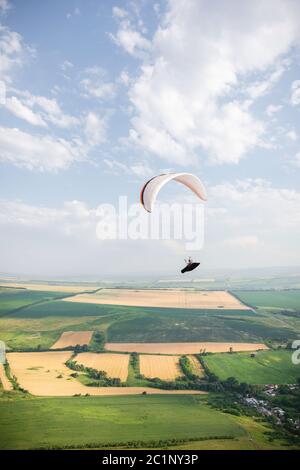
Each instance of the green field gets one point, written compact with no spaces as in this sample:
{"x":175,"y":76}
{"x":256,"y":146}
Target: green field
{"x":255,"y":438}
{"x":31,"y":319}
{"x":277,"y":299}
{"x":180,"y":325}
{"x":47,"y":422}
{"x":126,"y":422}
{"x":267,"y":367}
{"x":15,"y":299}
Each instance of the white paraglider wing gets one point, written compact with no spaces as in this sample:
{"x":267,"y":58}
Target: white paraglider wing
{"x":152,"y":187}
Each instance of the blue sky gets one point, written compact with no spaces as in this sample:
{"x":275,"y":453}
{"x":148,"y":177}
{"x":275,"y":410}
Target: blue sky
{"x":99,"y":96}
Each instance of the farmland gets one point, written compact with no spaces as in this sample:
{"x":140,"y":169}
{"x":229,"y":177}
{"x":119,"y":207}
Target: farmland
{"x":15,"y":299}
{"x":186,"y":325}
{"x":126,"y":422}
{"x":163,"y":367}
{"x":39,"y":325}
{"x":57,"y":287}
{"x":34,"y":320}
{"x":274,"y":367}
{"x":115,"y":365}
{"x":278,"y":300}
{"x":45,"y":374}
{"x":73,"y":338}
{"x":34,"y":423}
{"x":174,"y":298}
{"x":182,"y":348}
{"x":196,"y":369}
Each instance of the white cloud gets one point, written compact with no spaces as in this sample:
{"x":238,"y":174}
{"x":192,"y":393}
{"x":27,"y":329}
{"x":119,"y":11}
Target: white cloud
{"x":124,"y":78}
{"x":264,"y":86}
{"x":156,"y":8}
{"x":245,"y":241}
{"x":51,"y":111}
{"x":119,"y":12}
{"x":295,"y":93}
{"x":47,"y":152}
{"x":115,"y":166}
{"x":272,"y":109}
{"x":95,"y":129}
{"x":17,"y":212}
{"x":39,"y":109}
{"x":12,"y":52}
{"x":200,"y":57}
{"x":96,"y":85}
{"x":252,"y":223}
{"x":15,"y":106}
{"x":292,"y":135}
{"x":34,"y":152}
{"x":72,"y":219}
{"x":256,"y":206}
{"x":131,"y":39}
{"x":71,"y":14}
{"x":4,"y":6}
{"x":141,"y":169}
{"x":296,"y":159}
{"x":66,"y":65}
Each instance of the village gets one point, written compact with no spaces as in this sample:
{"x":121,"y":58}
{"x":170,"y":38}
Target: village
{"x":266,"y":408}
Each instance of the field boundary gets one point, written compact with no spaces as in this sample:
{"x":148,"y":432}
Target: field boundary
{"x":252,"y":307}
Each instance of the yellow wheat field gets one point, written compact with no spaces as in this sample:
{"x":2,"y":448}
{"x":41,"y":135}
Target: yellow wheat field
{"x":45,"y":374}
{"x":175,"y":298}
{"x":50,"y":287}
{"x":115,"y":365}
{"x":72,"y":338}
{"x":163,"y":367}
{"x":182,"y":348}
{"x":195,"y":366}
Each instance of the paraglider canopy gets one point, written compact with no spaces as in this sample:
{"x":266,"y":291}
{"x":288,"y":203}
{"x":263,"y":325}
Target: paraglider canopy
{"x":151,"y":189}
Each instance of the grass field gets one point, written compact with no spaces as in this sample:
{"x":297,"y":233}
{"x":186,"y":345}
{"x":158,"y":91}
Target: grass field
{"x":13,"y":299}
{"x":47,"y":422}
{"x":279,"y":299}
{"x":184,"y":325}
{"x":254,"y":438}
{"x":96,"y":421}
{"x":268,"y":367}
